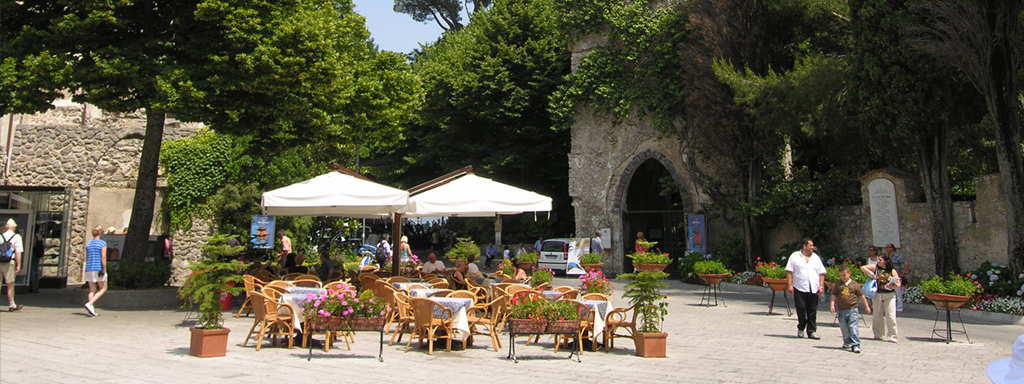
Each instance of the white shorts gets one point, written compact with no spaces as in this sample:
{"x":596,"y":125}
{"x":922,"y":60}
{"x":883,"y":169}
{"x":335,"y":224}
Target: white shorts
{"x":94,"y":277}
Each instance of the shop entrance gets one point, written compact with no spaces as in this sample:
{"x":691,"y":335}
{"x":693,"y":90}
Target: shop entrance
{"x":654,"y":206}
{"x":41,"y":218}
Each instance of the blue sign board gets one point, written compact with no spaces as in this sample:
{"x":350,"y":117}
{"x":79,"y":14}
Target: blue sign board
{"x":262,"y":232}
{"x":696,"y":234}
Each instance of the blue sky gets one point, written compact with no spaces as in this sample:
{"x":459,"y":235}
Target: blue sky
{"x":394,"y":31}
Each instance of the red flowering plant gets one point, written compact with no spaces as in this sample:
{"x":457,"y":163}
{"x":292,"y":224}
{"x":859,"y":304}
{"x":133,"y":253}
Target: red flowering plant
{"x":770,"y":270}
{"x":595,"y":282}
{"x":535,"y":307}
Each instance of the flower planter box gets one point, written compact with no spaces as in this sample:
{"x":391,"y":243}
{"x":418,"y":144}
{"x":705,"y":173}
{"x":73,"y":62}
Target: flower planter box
{"x":527,"y":326}
{"x":944,"y":301}
{"x":713,"y":278}
{"x":209,"y":342}
{"x":563,"y":327}
{"x":593,"y":267}
{"x":525,"y":265}
{"x":775,"y":284}
{"x":366,"y":324}
{"x":321,"y":324}
{"x":756,"y":280}
{"x":649,"y":267}
{"x":651,"y":344}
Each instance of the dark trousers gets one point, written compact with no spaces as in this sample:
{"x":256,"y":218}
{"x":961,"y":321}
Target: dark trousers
{"x":806,"y":310}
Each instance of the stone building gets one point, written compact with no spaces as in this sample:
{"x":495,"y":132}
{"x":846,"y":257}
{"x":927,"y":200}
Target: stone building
{"x":71,"y":169}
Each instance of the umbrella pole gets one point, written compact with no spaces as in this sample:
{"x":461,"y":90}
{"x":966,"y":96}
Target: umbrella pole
{"x":396,"y":237}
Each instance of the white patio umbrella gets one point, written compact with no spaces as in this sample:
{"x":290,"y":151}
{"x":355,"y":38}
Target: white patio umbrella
{"x":470,"y":195}
{"x":335,"y":194}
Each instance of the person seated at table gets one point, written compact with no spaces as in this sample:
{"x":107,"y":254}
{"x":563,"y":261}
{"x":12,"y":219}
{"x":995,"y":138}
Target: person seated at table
{"x":367,"y":263}
{"x":520,"y":274}
{"x":473,"y":271}
{"x":433,"y":265}
{"x":458,"y":274}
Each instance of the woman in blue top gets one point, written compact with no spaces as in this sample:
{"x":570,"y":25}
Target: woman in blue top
{"x":95,"y":269}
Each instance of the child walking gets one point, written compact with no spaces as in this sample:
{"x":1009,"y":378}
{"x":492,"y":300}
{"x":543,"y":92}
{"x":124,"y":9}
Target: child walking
{"x":846,"y":293}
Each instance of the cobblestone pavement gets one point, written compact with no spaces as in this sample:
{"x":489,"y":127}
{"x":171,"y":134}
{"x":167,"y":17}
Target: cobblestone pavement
{"x":737,"y":343}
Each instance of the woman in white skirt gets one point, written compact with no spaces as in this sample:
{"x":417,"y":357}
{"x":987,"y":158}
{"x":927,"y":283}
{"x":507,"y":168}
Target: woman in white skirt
{"x":95,"y":269}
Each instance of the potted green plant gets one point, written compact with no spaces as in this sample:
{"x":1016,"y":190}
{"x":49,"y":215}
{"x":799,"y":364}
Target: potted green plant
{"x":949,"y":293}
{"x":591,"y":262}
{"x":463,"y":249}
{"x":541,"y":276}
{"x":562,"y":317}
{"x":644,"y":293}
{"x":526,"y":315}
{"x":711,"y":271}
{"x":527,"y":260}
{"x":773,"y":275}
{"x":507,"y":268}
{"x":648,"y":261}
{"x":210,"y":278}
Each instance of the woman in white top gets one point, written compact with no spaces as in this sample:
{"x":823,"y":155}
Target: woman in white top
{"x":872,"y":255}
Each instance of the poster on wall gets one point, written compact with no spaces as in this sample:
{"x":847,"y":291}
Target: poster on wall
{"x":696,"y":234}
{"x":115,"y":246}
{"x":262,"y":232}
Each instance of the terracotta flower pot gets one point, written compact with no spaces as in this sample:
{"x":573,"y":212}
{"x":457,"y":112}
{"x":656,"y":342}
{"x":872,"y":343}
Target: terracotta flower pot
{"x":775,"y":284}
{"x":649,"y":267}
{"x":209,"y":342}
{"x":713,"y":278}
{"x":526,"y":326}
{"x":332,"y":323}
{"x":944,"y":301}
{"x":756,"y":280}
{"x":563,"y":327}
{"x":593,"y":267}
{"x":651,"y":344}
{"x":525,"y":265}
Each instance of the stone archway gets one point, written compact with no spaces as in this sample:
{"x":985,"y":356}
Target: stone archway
{"x":661,"y":217}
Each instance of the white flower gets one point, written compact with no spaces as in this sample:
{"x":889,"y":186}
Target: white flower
{"x":993,"y":277}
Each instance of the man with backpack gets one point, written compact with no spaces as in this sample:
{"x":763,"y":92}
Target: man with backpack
{"x":11,"y":248}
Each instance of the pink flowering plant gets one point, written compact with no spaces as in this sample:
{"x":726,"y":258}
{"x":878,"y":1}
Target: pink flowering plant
{"x":595,"y":282}
{"x":343,"y":303}
{"x":411,"y":266}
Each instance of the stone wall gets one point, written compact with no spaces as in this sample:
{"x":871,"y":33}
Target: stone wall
{"x":980,"y":227}
{"x":78,"y":147}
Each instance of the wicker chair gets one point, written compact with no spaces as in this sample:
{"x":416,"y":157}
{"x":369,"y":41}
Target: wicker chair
{"x":415,"y":286}
{"x":586,"y":325}
{"x":563,"y":288}
{"x":338,"y":285}
{"x":442,"y":284}
{"x":307,"y":283}
{"x":616,"y":320}
{"x":512,"y":290}
{"x":399,"y":279}
{"x":274,"y":319}
{"x":426,"y":325}
{"x":291,"y":276}
{"x":489,"y":316}
{"x":596,"y":297}
{"x":250,"y":286}
{"x":441,"y":293}
{"x":428,"y":276}
{"x":307,"y":277}
{"x":541,"y":286}
{"x":464,"y":294}
{"x":366,"y":280}
{"x":274,"y":291}
{"x":404,"y":320}
{"x":569,"y":295}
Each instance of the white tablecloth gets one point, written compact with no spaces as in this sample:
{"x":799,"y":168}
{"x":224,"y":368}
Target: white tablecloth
{"x":459,"y":306}
{"x":296,"y":299}
{"x":601,"y":309}
{"x":423,"y":292}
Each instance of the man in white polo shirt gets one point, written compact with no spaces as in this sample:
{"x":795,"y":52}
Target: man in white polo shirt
{"x":433,"y":265}
{"x":805,"y":275}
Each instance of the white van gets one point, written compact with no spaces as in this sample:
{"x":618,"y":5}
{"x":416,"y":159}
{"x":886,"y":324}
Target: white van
{"x":562,"y":254}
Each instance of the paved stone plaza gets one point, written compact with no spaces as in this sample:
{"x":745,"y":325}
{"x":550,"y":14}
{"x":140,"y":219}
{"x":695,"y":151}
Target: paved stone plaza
{"x":54,"y":343}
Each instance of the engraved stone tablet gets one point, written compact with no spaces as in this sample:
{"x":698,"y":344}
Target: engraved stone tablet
{"x":885,"y":225}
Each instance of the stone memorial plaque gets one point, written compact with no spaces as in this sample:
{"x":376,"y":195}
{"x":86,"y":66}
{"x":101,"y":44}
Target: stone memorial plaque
{"x":885,"y":224}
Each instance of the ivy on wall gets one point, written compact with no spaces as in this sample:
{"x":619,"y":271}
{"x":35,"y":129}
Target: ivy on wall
{"x":636,"y":72}
{"x":196,"y":169}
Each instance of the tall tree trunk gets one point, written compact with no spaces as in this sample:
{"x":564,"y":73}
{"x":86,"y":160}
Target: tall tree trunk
{"x":751,"y":231}
{"x":933,"y":159}
{"x":145,"y":187}
{"x":1004,"y":108}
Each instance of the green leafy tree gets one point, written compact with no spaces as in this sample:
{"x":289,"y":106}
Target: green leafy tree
{"x":446,"y":13}
{"x":487,"y":89}
{"x":283,"y":72}
{"x":982,"y":40}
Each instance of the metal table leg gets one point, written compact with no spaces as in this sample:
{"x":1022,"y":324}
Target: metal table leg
{"x":380,"y":352}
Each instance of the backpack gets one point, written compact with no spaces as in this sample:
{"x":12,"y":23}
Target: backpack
{"x":382,"y":254}
{"x":6,"y":250}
